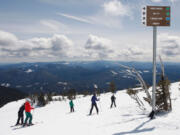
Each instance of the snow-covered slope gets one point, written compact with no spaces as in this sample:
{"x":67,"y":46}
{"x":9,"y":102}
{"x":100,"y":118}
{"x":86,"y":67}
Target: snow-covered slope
{"x":126,"y":119}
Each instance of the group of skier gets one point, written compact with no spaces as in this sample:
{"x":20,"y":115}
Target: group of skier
{"x":94,"y":99}
{"x":94,"y":104}
{"x":27,"y":108}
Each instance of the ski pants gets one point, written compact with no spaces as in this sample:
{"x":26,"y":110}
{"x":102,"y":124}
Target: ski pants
{"x":113,"y":103}
{"x":28,"y":116}
{"x":20,"y":117}
{"x":72,"y":108}
{"x":92,"y":106}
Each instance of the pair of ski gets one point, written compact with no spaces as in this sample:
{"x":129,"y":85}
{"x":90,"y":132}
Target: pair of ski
{"x":15,"y":127}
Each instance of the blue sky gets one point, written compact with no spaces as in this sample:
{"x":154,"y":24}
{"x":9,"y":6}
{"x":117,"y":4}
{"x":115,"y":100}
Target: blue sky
{"x":53,"y":30}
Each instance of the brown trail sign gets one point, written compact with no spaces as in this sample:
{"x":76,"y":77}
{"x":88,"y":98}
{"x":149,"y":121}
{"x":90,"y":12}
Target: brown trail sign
{"x":156,"y":15}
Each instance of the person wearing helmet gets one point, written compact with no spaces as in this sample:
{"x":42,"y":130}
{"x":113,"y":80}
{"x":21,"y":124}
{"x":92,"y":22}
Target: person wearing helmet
{"x":28,"y":109}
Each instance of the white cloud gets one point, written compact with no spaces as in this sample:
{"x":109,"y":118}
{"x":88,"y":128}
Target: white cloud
{"x":99,"y":47}
{"x":53,"y":25}
{"x":116,"y":8}
{"x":110,"y":14}
{"x":36,"y":27}
{"x":80,"y":19}
{"x":97,"y":43}
{"x":169,"y":46}
{"x":73,"y":2}
{"x":6,"y":38}
{"x":156,"y":0}
{"x":60,"y":47}
{"x":55,"y":46}
{"x":135,"y":53}
{"x":173,"y":1}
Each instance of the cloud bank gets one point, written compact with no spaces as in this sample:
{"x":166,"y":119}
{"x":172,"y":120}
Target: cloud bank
{"x":55,"y":46}
{"x":169,"y":46}
{"x":60,"y":47}
{"x":116,"y":8}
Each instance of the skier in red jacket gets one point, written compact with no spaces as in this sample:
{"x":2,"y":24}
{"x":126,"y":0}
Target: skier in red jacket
{"x":28,"y":109}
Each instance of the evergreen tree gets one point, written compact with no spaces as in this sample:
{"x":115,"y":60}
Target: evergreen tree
{"x":85,"y":93}
{"x":112,"y":87}
{"x":163,"y":100}
{"x":41,"y":100}
{"x":49,"y":97}
{"x":98,"y":92}
{"x":71,"y":94}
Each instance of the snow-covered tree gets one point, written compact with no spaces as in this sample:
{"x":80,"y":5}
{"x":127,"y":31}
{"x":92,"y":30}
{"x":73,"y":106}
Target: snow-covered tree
{"x":135,"y":74}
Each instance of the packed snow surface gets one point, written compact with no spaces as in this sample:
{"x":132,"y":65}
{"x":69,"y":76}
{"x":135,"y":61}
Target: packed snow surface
{"x":126,"y":119}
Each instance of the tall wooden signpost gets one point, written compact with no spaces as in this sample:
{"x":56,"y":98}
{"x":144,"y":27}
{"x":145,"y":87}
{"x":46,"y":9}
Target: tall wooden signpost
{"x":155,"y":16}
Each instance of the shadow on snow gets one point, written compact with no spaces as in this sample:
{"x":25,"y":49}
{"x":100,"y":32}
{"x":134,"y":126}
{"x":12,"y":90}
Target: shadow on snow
{"x":137,"y":129}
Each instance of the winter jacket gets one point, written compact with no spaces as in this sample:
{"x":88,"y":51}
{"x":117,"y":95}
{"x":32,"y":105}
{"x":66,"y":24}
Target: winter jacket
{"x":94,"y":99}
{"x":71,"y":103}
{"x":21,"y":109}
{"x":113,"y":98}
{"x":28,"y":107}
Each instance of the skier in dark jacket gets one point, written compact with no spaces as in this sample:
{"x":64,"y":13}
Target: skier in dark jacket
{"x":21,"y":115}
{"x":113,"y":100}
{"x":93,"y":101}
{"x":71,"y":104}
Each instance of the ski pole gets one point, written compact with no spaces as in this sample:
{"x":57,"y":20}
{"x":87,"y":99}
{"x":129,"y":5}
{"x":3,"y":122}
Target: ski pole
{"x":33,"y":113}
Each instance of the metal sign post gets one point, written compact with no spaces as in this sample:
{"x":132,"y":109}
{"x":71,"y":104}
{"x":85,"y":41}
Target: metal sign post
{"x":155,"y":16}
{"x":154,"y":68}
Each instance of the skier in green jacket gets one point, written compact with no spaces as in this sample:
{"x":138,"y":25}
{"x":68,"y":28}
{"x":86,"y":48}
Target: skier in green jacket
{"x":71,"y":104}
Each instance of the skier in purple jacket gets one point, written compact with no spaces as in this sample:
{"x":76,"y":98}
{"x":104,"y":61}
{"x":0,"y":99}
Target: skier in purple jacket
{"x":93,"y":101}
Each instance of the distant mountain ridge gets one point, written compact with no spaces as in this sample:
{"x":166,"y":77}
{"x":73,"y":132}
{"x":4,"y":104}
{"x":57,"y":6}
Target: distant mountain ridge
{"x":79,"y":75}
{"x":10,"y":94}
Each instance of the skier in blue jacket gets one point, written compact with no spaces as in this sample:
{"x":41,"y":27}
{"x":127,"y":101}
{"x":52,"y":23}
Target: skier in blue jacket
{"x":93,"y":101}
